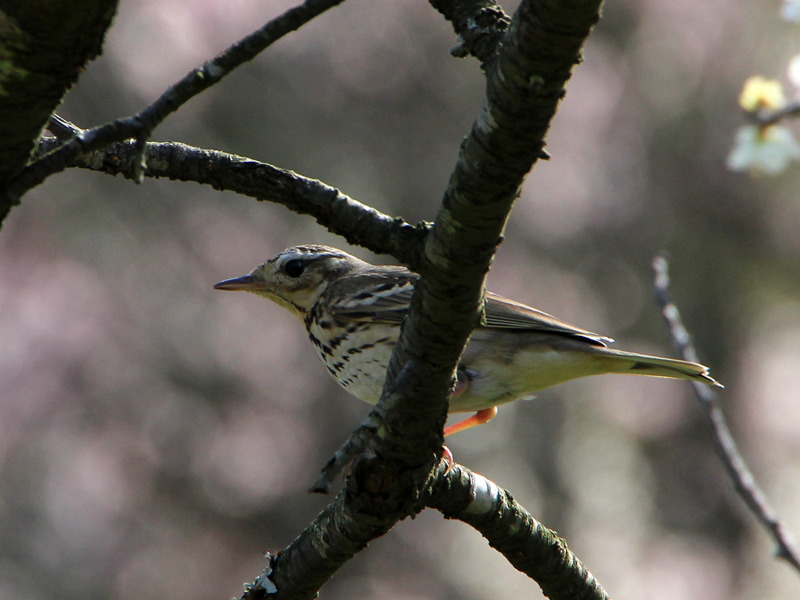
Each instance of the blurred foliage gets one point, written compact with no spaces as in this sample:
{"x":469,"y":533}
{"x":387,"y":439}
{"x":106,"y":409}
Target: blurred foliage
{"x":157,"y":436}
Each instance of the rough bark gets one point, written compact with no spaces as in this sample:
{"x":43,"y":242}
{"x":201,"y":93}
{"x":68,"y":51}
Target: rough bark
{"x":44,"y":45}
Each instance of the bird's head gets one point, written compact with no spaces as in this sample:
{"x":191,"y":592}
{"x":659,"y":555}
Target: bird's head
{"x":297,"y":277}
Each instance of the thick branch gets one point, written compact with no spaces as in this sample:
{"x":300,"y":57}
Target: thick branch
{"x":43,"y":47}
{"x":524,"y":86}
{"x":366,"y":509}
{"x":522,"y":95}
{"x":527,"y":544}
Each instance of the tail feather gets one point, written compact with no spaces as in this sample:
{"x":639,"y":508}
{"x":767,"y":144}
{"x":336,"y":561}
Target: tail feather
{"x":654,"y":366}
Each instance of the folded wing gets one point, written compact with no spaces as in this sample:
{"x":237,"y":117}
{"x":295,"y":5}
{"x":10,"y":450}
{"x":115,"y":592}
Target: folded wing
{"x":385,"y":298}
{"x":502,"y":313}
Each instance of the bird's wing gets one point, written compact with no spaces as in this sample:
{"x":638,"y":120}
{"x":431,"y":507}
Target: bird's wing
{"x":501,"y":313}
{"x":379,"y":297}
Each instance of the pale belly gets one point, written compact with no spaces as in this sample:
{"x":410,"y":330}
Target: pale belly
{"x":357,"y":357}
{"x":511,"y":369}
{"x":504,"y":366}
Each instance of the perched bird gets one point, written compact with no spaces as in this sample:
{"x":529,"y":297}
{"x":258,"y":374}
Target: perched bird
{"x":352,"y":311}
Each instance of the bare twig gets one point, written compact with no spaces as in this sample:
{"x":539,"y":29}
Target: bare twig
{"x":737,"y":469}
{"x":528,"y":545}
{"x":358,"y":223}
{"x":765,"y":117}
{"x":141,"y":125}
{"x":61,"y":128}
{"x":479,"y":24}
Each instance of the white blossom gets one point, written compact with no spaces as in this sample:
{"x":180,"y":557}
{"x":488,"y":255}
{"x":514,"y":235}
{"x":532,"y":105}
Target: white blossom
{"x":764,"y":150}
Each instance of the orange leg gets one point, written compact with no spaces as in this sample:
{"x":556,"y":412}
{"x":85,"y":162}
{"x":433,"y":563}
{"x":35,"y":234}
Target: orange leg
{"x":479,"y":418}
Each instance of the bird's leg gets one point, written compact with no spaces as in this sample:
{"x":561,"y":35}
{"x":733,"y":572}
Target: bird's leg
{"x":479,"y":418}
{"x":463,"y":379}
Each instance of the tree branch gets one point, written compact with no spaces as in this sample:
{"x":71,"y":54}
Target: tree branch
{"x":141,"y":125}
{"x":524,"y":86}
{"x":527,"y":544}
{"x":43,"y":45}
{"x":358,"y":223}
{"x":525,"y":83}
{"x":764,"y":117}
{"x":479,"y":24}
{"x":740,"y":474}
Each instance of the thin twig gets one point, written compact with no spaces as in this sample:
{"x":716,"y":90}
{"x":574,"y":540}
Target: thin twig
{"x":354,"y":445}
{"x":141,"y":125}
{"x":61,"y":128}
{"x":764,"y":117}
{"x":737,"y":469}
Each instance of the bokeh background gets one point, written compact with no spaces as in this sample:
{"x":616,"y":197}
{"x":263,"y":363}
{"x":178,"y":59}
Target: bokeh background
{"x":156,"y":436}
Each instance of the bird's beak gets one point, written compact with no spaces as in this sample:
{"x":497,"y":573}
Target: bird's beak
{"x":245,"y":283}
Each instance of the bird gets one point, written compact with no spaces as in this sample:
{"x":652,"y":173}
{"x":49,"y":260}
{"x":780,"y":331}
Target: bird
{"x":352,"y":311}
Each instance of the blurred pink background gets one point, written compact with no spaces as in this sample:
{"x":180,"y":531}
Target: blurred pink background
{"x":157,"y":436}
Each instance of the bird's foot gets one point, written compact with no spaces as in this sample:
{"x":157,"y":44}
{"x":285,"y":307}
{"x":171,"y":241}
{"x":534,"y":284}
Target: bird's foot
{"x":479,"y":418}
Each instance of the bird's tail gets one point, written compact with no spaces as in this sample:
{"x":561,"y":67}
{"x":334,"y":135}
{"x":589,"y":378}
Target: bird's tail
{"x":654,"y":366}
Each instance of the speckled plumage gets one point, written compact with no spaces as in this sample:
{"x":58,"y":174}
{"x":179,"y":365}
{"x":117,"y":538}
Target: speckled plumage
{"x":352,"y":311}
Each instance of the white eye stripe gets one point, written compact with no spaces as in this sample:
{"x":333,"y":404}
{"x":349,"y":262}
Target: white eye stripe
{"x":284,"y":259}
{"x":295,"y":254}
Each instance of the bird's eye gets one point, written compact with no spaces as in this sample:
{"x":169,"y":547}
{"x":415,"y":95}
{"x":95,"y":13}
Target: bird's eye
{"x":294,"y":268}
